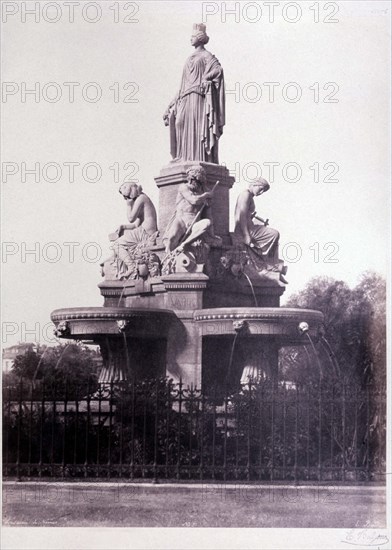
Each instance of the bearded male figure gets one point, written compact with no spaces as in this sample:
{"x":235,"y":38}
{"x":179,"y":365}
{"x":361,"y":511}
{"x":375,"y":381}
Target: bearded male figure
{"x":196,"y":115}
{"x":192,"y":216}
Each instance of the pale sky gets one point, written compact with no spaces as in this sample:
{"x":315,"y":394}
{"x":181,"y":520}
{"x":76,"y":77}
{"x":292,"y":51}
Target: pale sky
{"x":346,"y":61}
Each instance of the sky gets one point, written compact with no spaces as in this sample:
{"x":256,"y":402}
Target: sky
{"x":306,"y":90}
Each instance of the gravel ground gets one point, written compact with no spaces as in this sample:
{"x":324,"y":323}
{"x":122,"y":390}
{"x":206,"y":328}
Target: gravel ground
{"x":86,"y":504}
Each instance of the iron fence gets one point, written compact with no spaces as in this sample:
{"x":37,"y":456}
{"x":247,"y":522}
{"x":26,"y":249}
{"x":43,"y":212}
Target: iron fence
{"x":157,"y":429}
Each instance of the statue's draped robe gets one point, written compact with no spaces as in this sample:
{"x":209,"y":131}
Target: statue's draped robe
{"x":198,"y":117}
{"x":265,"y":238}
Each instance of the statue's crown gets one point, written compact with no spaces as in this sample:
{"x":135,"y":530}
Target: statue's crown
{"x":199,"y":27}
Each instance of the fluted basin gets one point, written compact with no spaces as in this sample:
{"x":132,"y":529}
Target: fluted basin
{"x":97,"y":322}
{"x":153,"y":341}
{"x":279,"y":323}
{"x":133,"y":341}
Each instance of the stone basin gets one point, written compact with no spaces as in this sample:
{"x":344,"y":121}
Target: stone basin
{"x":279,"y":323}
{"x":93,"y":323}
{"x":156,"y":342}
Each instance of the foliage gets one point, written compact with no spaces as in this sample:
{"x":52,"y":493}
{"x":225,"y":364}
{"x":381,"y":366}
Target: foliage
{"x":66,"y":366}
{"x":354,"y":330}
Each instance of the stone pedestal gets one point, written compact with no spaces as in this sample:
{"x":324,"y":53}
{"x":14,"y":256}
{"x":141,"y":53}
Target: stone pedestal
{"x":174,"y":174}
{"x":184,"y":353}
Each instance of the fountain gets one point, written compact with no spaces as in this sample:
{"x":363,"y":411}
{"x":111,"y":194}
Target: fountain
{"x":189,"y":299}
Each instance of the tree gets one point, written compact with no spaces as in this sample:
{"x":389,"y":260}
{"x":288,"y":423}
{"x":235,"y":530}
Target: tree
{"x":354,"y":329}
{"x":367,"y":334}
{"x":25,"y":365}
{"x":72,"y":364}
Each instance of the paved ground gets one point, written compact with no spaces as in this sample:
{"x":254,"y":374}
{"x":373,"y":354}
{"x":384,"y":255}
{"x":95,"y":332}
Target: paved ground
{"x":84,"y":504}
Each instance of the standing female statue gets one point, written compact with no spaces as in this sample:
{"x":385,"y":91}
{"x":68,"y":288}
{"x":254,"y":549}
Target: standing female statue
{"x":196,"y":115}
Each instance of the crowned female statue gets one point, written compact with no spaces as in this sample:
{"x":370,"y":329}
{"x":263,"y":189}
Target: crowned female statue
{"x":196,"y":115}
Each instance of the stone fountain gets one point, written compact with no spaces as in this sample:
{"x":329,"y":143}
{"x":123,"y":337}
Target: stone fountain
{"x":189,"y":299}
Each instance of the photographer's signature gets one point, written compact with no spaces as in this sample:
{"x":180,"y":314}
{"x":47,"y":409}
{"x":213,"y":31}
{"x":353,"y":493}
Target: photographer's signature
{"x":365,"y":537}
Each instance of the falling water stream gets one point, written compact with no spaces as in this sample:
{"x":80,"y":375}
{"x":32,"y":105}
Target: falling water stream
{"x":39,"y":364}
{"x":126,"y":356}
{"x":326,"y":345}
{"x":121,"y":296}
{"x":307,"y":354}
{"x":315,"y":354}
{"x":332,"y":357}
{"x":61,"y":356}
{"x":231,"y":356}
{"x":108,"y":367}
{"x":252,"y":288}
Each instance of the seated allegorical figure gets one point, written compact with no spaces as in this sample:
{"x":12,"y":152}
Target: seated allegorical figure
{"x":259,"y":236}
{"x":141,"y":231}
{"x":192,"y":216}
{"x":262,"y":240}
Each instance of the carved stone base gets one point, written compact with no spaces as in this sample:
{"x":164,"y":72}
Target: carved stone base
{"x":190,"y":259}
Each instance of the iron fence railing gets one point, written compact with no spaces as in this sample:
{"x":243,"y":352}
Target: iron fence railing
{"x":156,"y":429}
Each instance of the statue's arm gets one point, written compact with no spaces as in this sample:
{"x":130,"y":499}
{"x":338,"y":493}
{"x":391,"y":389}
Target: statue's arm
{"x":192,"y":198}
{"x":129,"y":226}
{"x":166,"y":114}
{"x":174,"y":100}
{"x":213,"y":70}
{"x":214,"y":74}
{"x":135,"y":211}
